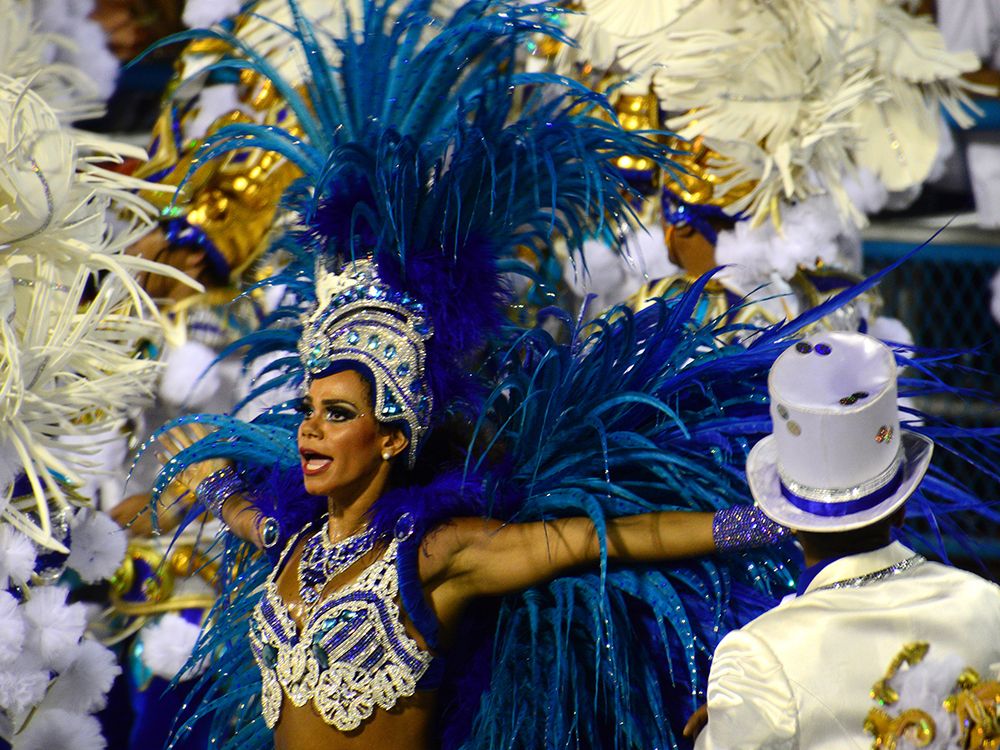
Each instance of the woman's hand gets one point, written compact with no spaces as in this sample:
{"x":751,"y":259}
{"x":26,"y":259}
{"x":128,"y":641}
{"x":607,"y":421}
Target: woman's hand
{"x":176,"y":439}
{"x":241,"y":516}
{"x":697,"y":722}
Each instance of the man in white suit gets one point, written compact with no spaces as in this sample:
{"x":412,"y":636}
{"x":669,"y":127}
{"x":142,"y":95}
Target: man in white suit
{"x":837,"y":470}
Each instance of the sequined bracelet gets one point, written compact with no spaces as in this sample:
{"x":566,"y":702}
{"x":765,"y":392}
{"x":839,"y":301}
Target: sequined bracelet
{"x":745,"y":527}
{"x":216,"y":488}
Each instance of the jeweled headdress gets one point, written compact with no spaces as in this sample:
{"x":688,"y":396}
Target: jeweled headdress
{"x":358,"y":319}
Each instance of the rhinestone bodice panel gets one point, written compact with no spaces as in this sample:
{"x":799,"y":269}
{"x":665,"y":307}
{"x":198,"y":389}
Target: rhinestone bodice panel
{"x":352,"y":655}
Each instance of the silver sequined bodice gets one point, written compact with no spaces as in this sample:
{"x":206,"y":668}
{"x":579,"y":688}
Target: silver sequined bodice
{"x":352,"y":655}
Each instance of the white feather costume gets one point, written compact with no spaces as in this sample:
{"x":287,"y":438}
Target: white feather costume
{"x":793,"y":94}
{"x":68,"y":339}
{"x":72,"y":315}
{"x":804,"y":101}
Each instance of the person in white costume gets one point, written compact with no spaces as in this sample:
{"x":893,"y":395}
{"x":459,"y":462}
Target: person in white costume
{"x":802,"y":118}
{"x":974,"y":26}
{"x":837,"y":469}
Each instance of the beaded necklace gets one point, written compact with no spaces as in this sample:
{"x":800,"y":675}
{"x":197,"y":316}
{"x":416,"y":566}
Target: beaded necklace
{"x":322,"y":560}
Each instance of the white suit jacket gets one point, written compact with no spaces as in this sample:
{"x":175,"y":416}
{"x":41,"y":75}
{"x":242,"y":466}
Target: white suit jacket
{"x":799,"y":676}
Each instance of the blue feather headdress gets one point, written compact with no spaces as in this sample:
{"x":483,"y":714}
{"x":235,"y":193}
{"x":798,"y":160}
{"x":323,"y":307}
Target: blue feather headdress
{"x":425,"y":152}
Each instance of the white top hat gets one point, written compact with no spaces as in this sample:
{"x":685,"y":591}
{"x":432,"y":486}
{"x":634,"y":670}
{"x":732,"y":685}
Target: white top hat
{"x":836,"y":459}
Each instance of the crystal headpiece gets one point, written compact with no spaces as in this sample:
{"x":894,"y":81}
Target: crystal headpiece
{"x":359,"y":319}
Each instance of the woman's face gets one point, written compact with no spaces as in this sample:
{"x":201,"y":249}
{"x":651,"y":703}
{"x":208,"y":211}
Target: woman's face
{"x":341,"y":445}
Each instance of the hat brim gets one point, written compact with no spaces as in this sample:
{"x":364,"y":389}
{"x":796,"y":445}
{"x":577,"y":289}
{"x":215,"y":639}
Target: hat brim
{"x":765,"y":486}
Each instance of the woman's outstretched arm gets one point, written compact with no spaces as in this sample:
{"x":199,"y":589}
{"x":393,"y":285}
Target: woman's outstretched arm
{"x":471,"y":557}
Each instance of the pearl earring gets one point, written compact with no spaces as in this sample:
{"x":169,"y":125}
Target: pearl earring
{"x":386,"y":455}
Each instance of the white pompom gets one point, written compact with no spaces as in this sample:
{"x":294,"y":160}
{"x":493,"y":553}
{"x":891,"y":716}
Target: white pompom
{"x":866,"y":191}
{"x":650,"y":255}
{"x":808,"y":234}
{"x":55,"y":729}
{"x":17,"y":556}
{"x":11,"y":628}
{"x":187,"y":380}
{"x":84,"y":685}
{"x":23,"y":684}
{"x":97,"y":545}
{"x":94,"y":58}
{"x":198,"y":13}
{"x":54,"y":627}
{"x":600,"y":272}
{"x":167,"y":645}
{"x":891,"y":329}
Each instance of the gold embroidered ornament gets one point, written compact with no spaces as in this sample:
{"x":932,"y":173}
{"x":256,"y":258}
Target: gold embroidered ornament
{"x":971,"y":710}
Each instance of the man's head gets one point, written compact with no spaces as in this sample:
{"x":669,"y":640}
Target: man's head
{"x":826,"y":545}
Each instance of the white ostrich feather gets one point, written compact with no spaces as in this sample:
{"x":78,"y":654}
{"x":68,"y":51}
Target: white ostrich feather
{"x":84,"y":685}
{"x":56,"y":729}
{"x":43,"y":59}
{"x":67,"y":368}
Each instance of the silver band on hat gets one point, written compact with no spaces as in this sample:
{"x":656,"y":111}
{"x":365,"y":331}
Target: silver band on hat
{"x":844,"y":494}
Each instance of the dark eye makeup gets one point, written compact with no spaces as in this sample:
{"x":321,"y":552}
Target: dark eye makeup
{"x":333,"y":411}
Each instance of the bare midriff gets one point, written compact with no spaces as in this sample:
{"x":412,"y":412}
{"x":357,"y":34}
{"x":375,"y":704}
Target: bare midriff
{"x":408,"y":724}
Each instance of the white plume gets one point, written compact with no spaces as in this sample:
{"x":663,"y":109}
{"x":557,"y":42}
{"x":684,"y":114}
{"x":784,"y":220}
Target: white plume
{"x":793,"y":94}
{"x":67,"y":359}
